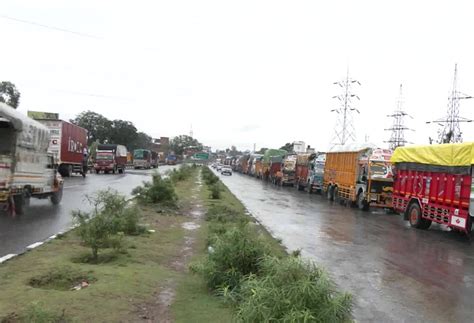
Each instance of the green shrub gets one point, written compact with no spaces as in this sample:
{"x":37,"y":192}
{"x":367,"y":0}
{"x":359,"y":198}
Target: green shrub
{"x":159,"y":190}
{"x":181,"y":174}
{"x":215,"y":191}
{"x":35,"y":313}
{"x":224,"y":214}
{"x":61,"y":278}
{"x":111,"y":214}
{"x":236,"y":253}
{"x":290,"y":290}
{"x":209,"y":177}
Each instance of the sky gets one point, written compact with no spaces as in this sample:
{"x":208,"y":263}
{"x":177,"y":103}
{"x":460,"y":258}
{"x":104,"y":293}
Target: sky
{"x":241,"y":73}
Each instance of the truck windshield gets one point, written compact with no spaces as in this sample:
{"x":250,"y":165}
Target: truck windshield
{"x":7,"y":133}
{"x":138,"y":154}
{"x":105,"y":156}
{"x":380,"y":170}
{"x":319,"y":168}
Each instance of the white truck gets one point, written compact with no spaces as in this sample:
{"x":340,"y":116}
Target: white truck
{"x":26,"y":168}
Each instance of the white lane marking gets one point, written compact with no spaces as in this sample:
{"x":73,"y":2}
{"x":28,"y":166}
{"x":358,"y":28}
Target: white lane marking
{"x":7,"y":257}
{"x":34,"y":245}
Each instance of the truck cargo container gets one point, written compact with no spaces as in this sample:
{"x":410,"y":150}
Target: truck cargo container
{"x":26,"y":168}
{"x":110,"y":158}
{"x":288,"y":170}
{"x":141,"y":158}
{"x":266,"y":161}
{"x":274,"y":171}
{"x":302,"y":170}
{"x":316,"y":173}
{"x":360,"y":176}
{"x":435,"y":183}
{"x":68,"y":145}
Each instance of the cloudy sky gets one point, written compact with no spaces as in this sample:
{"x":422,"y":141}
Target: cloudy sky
{"x":240,"y":72}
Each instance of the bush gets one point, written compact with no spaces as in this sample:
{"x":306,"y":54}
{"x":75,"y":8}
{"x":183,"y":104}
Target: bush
{"x":37,"y":314}
{"x":111,"y":214}
{"x":183,"y":173}
{"x":224,"y":214}
{"x":61,"y":278}
{"x":237,"y":253}
{"x":209,"y":177}
{"x":290,"y":290}
{"x":158,"y":191}
{"x":215,"y":191}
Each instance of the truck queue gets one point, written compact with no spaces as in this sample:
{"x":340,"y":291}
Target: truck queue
{"x":425,"y":184}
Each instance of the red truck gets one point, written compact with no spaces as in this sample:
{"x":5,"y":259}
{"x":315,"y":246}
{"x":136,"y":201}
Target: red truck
{"x":68,"y":144}
{"x":435,"y":184}
{"x":110,"y":158}
{"x":302,"y":170}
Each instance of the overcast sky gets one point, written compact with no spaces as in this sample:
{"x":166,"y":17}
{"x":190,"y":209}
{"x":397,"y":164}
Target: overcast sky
{"x":241,"y":72}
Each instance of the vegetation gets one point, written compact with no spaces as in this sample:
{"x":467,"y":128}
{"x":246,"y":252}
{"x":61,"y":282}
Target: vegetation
{"x":9,"y":94}
{"x":179,"y":143}
{"x":111,"y":216}
{"x":61,"y":278}
{"x":183,"y":173}
{"x":159,"y":191}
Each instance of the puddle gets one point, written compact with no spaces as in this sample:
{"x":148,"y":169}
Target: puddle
{"x":196,"y":213}
{"x":190,"y":226}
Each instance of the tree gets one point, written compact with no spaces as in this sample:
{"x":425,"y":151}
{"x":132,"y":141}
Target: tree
{"x":98,"y":127}
{"x":179,"y":143}
{"x":9,"y":94}
{"x":261,"y":151}
{"x":288,"y":147}
{"x":124,"y":133}
{"x":142,"y":141}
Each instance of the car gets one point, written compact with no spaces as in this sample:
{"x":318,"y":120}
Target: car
{"x":218,"y":167}
{"x":226,"y":170}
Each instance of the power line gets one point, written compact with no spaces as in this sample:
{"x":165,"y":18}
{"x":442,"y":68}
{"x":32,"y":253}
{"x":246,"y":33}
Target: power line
{"x":37,"y":24}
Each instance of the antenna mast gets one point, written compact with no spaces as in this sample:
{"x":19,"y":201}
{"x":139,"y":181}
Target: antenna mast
{"x":451,"y":130}
{"x":345,"y":130}
{"x":398,"y":128}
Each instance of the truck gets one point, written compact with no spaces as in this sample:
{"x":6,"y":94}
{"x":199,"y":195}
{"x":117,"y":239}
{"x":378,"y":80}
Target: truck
{"x":288,"y":170}
{"x":316,"y":173}
{"x":267,"y":158}
{"x":171,"y":159}
{"x":435,"y":183}
{"x":360,"y":176}
{"x":255,"y":168}
{"x":68,"y":144}
{"x":110,"y":158}
{"x":274,"y":171}
{"x":302,"y":170}
{"x":154,"y":159}
{"x":26,"y":168}
{"x":141,"y":158}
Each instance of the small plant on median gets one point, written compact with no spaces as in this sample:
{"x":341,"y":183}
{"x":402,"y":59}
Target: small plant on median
{"x":159,"y":190}
{"x":111,"y":215}
{"x":183,"y":173}
{"x":215,"y":191}
{"x":62,"y":278}
{"x":290,"y":290}
{"x":236,"y":253}
{"x":208,"y":176}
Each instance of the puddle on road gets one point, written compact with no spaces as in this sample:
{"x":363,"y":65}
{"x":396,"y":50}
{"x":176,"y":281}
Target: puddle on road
{"x":190,"y":226}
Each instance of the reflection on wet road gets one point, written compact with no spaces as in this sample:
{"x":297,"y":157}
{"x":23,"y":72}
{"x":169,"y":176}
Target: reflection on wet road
{"x":42,"y":219}
{"x":396,"y":273}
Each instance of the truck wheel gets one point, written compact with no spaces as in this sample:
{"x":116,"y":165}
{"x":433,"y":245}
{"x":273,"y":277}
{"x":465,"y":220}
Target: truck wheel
{"x":121,"y":170}
{"x":414,"y":216}
{"x":330,"y":193}
{"x":361,"y":202}
{"x":19,"y":201}
{"x":56,"y":197}
{"x":114,"y":170}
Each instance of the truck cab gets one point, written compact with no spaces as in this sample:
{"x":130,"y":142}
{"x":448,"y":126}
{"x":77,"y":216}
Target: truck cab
{"x":316,"y":173}
{"x":26,"y":168}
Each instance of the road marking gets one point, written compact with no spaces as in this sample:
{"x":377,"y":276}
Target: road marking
{"x":7,"y":257}
{"x":34,"y":245}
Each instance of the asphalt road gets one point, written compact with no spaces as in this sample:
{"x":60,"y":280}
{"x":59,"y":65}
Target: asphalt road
{"x":396,"y":273}
{"x":42,"y":219}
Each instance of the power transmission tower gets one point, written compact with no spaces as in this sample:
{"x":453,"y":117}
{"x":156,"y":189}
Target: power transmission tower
{"x":451,"y":130}
{"x":345,"y":130}
{"x":397,"y":138}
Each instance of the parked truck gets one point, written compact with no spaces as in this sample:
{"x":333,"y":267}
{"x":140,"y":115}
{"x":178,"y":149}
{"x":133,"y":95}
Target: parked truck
{"x":26,"y":168}
{"x":274,"y":171}
{"x":359,"y":176}
{"x":171,"y":159}
{"x":68,"y":143}
{"x":141,"y":158}
{"x":316,"y":173}
{"x":155,"y":158}
{"x":302,"y":170}
{"x":435,"y":183}
{"x":288,"y":170}
{"x":110,"y":158}
{"x":267,"y":159}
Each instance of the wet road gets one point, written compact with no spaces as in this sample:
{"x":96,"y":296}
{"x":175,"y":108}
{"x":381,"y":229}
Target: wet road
{"x":396,"y":273}
{"x":42,"y":219}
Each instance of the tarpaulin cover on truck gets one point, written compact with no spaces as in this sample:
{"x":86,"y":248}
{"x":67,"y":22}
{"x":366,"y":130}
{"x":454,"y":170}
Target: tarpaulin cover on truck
{"x":440,"y":155}
{"x":273,"y":153}
{"x":302,"y":159}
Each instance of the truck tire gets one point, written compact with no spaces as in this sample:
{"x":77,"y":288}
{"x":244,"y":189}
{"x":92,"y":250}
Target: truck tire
{"x":56,"y":197}
{"x":19,"y":201}
{"x":330,"y":193}
{"x":361,"y":202}
{"x":416,"y":219}
{"x":121,"y":170}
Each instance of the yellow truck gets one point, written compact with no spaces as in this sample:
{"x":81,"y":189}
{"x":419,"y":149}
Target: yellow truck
{"x":359,"y":176}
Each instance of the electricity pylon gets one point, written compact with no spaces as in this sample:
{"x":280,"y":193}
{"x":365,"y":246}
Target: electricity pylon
{"x":397,"y":138}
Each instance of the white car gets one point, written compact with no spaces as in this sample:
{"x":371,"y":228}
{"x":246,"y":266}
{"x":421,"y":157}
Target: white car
{"x":226,"y":170}
{"x":218,"y":167}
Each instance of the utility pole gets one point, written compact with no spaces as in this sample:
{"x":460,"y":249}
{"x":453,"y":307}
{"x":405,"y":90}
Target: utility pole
{"x":191,"y":133}
{"x":345,"y":130}
{"x":451,"y":129}
{"x":398,"y":128}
